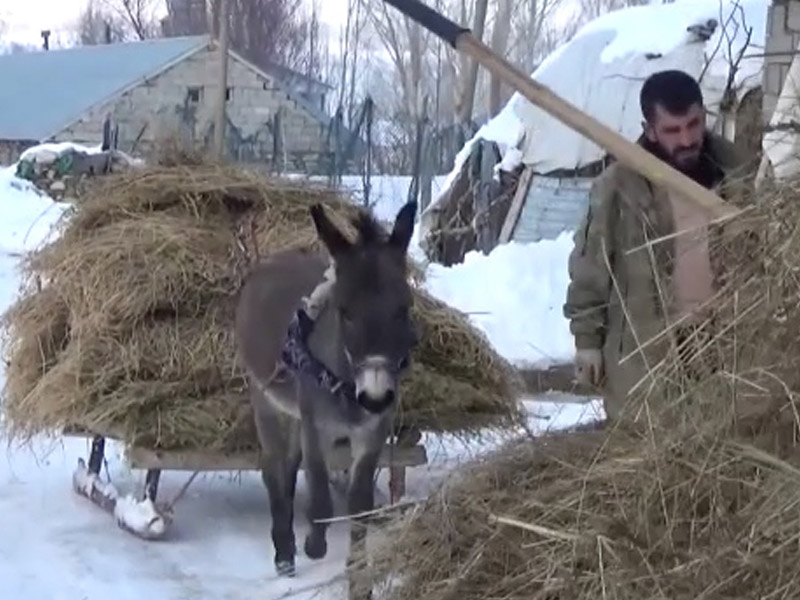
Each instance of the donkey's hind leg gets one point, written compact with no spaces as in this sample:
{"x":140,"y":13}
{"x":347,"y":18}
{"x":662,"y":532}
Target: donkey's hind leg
{"x":279,"y":436}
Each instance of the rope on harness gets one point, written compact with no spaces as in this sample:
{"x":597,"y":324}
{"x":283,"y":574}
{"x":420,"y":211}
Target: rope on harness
{"x":318,"y":299}
{"x":296,"y":355}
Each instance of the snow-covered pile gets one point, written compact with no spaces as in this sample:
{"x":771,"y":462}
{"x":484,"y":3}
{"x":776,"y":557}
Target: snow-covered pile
{"x":58,"y":167}
{"x":515,"y":296}
{"x":600,"y":71}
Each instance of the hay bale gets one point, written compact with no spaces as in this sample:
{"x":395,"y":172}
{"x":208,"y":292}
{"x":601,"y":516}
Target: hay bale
{"x":692,"y":495}
{"x":132,"y":334}
{"x":581,"y":515}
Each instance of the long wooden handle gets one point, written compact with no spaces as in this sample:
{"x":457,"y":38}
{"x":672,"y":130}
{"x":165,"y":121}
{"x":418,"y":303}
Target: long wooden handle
{"x":623,"y":150}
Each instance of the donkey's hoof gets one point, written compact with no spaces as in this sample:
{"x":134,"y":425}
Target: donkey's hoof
{"x":285,"y":568}
{"x":316,"y":547}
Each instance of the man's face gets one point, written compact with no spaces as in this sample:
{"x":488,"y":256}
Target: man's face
{"x":679,"y":136}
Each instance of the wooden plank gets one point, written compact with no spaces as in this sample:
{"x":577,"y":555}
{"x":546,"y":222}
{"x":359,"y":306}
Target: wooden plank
{"x":517,"y":203}
{"x":145,"y":458}
{"x":125,"y":511}
{"x":481,"y":199}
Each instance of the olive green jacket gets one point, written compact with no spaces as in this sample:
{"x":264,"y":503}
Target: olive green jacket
{"x":607,"y":281}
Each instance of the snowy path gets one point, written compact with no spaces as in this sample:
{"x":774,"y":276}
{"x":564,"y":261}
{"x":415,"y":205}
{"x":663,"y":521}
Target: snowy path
{"x":57,"y":546}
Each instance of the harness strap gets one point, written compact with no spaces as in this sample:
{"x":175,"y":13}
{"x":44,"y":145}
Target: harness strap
{"x":296,"y":356}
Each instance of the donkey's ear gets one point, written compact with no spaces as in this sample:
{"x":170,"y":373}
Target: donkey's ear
{"x":330,"y":235}
{"x":403,"y":227}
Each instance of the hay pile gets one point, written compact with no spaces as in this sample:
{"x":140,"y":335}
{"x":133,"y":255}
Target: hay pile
{"x":696,"y":494}
{"x":125,"y":328}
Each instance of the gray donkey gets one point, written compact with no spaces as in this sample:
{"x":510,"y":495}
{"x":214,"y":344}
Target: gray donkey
{"x":324,"y":366}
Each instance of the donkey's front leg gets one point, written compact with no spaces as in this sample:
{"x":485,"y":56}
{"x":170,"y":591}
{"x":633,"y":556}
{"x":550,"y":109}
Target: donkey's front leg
{"x":280,"y":461}
{"x":361,"y":491}
{"x":366,"y":448}
{"x":366,"y":452}
{"x":321,"y":503}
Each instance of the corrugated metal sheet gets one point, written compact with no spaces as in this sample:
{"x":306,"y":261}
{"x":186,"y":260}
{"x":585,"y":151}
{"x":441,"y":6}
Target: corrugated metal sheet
{"x":42,"y":92}
{"x":551,"y":207}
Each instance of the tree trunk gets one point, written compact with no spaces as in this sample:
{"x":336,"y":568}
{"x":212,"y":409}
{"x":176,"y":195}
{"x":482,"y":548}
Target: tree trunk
{"x":471,"y":80}
{"x":500,"y":34}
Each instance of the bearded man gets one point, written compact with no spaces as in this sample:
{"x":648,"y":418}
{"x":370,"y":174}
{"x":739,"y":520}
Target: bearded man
{"x":619,"y":301}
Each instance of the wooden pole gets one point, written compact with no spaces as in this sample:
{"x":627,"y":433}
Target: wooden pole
{"x":219,"y":120}
{"x":625,"y":151}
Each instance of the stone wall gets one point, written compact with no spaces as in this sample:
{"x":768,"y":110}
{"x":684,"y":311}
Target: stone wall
{"x":181,"y":102}
{"x":783,"y":37}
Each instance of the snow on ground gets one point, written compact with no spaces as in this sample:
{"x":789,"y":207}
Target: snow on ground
{"x":27,"y":214}
{"x":62,"y":547}
{"x":515,"y":296}
{"x":389,"y":193}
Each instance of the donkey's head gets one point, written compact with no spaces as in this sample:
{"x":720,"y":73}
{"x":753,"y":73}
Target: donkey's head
{"x":373,"y":299}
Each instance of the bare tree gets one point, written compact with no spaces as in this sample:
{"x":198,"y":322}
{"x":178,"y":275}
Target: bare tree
{"x":500,"y":34}
{"x":407,"y":45}
{"x":591,"y":9}
{"x":471,"y":79}
{"x":97,"y":25}
{"x":138,"y":15}
{"x":534,"y":31}
{"x":264,"y":31}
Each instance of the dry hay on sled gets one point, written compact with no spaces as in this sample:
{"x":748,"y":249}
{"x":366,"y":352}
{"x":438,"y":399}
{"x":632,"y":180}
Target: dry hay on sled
{"x":694,"y":494}
{"x":125,"y":328}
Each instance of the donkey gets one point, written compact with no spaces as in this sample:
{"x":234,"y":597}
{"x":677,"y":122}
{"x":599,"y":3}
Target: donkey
{"x":314,"y":383}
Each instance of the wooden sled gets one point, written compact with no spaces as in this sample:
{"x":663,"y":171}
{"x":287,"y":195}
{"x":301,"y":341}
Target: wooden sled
{"x":148,"y":519}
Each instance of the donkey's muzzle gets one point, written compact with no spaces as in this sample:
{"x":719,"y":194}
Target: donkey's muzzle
{"x":376,"y":384}
{"x":375,"y":406}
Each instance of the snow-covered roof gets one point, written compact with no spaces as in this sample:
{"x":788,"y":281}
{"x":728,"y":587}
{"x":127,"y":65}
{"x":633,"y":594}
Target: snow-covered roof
{"x":601,"y":70}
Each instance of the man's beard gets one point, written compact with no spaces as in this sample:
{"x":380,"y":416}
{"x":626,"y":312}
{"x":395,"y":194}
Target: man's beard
{"x":698,"y":166}
{"x":686,"y":159}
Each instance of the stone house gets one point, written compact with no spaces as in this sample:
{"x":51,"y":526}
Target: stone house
{"x":159,"y":88}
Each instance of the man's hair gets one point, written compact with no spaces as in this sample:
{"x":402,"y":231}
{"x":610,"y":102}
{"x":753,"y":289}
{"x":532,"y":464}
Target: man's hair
{"x":675,"y":91}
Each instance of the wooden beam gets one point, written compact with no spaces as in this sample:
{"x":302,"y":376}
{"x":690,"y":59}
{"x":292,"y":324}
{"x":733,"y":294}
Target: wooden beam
{"x":219,"y":117}
{"x":339,"y":459}
{"x":517,"y":204}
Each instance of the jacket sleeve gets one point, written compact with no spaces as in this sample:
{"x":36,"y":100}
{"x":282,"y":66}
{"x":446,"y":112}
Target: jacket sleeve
{"x":589,"y":290}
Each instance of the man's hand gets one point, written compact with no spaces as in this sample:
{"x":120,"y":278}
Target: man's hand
{"x":589,"y":366}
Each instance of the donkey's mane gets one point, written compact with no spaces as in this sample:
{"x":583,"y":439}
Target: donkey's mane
{"x":370,"y":231}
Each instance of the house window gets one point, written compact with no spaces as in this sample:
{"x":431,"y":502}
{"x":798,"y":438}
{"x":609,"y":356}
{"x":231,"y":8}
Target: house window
{"x":194,"y":94}
{"x":228,"y":93}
